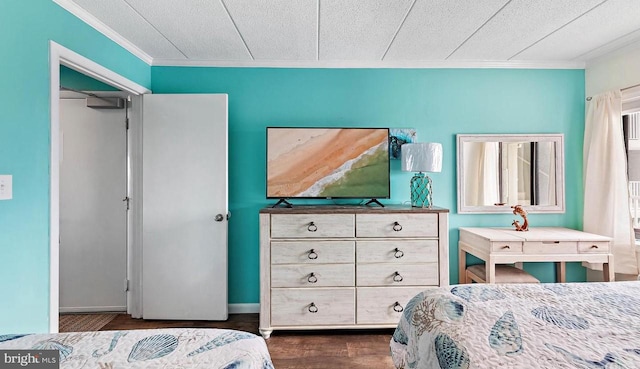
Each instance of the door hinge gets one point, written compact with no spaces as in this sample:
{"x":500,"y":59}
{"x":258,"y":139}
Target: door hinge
{"x":126,"y":285}
{"x":126,"y":121}
{"x":128,"y":200}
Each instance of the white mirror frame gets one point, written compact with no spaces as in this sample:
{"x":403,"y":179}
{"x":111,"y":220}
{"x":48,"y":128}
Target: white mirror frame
{"x":557,"y":138}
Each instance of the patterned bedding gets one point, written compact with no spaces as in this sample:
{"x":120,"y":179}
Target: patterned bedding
{"x":150,"y":348}
{"x":573,"y":325}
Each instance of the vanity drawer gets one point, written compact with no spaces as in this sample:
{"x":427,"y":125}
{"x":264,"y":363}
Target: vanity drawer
{"x":550,"y":247}
{"x":418,"y":251}
{"x":406,"y":225}
{"x":376,"y":304}
{"x":383,"y":274}
{"x":307,"y":275}
{"x":312,"y":252}
{"x":593,"y":247}
{"x":312,"y":225}
{"x":294,"y":306}
{"x":507,"y":247}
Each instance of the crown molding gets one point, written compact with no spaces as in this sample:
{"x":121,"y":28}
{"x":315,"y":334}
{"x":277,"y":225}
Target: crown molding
{"x":426,"y":64}
{"x":621,"y":44}
{"x":107,"y":31}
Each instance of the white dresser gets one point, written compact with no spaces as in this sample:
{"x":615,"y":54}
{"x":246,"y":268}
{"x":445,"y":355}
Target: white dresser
{"x":324,"y":267}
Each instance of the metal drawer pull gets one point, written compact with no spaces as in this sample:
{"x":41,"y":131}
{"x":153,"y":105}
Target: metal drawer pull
{"x":594,"y":246}
{"x":312,"y":227}
{"x":506,"y":247}
{"x":398,"y":253}
{"x":397,"y":307}
{"x":397,"y":277}
{"x":312,"y":278}
{"x":312,"y":254}
{"x":313,"y":308}
{"x":397,"y":227}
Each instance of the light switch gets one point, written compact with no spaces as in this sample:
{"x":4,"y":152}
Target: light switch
{"x":6,"y":191}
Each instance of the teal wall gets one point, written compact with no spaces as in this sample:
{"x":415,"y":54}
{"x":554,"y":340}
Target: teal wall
{"x":25,"y":30}
{"x":69,"y":78}
{"x":439,"y":103}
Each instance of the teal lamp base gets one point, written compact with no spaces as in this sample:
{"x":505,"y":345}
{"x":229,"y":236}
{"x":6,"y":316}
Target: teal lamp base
{"x":421,"y":191}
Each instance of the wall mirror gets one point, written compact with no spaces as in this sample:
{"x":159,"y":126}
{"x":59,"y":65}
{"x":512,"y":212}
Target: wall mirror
{"x":496,"y":172}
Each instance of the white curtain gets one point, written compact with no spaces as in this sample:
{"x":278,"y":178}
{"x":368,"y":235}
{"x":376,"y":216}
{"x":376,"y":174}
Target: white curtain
{"x":606,"y":191}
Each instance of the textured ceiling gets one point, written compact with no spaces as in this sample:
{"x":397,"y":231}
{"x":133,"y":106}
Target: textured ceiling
{"x":312,"y":32}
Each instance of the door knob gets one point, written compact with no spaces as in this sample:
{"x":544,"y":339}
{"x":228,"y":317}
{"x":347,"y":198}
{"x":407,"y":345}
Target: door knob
{"x":219,"y":217}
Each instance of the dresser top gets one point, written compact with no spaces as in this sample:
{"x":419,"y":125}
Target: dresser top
{"x":534,"y":234}
{"x":350,"y":209}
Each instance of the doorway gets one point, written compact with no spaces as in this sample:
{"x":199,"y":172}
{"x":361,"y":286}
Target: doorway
{"x":93,"y":198}
{"x":60,"y":55}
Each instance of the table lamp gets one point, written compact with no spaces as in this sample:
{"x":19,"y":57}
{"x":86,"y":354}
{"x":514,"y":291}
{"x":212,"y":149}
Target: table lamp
{"x":421,"y":157}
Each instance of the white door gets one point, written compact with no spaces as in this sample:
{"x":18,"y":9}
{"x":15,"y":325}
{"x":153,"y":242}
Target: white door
{"x":184,"y":176}
{"x":93,"y":219}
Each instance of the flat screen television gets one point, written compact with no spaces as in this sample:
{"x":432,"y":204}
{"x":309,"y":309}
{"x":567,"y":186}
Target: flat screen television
{"x":327,"y":163}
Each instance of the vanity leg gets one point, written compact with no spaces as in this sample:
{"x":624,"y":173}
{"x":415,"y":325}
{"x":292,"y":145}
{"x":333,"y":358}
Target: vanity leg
{"x":609,"y":274}
{"x":462,"y":265}
{"x":490,"y":268}
{"x":561,"y":272}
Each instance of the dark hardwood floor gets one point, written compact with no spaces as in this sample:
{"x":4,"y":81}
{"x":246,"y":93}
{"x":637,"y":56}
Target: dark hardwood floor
{"x":352,"y":349}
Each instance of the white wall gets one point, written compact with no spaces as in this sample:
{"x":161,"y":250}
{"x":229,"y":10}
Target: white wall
{"x":617,"y":70}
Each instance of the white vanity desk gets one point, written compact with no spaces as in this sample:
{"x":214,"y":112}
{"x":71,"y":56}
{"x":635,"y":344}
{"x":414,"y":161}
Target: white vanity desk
{"x":539,"y":244}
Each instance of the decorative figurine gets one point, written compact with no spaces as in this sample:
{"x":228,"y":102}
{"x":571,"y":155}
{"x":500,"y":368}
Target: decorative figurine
{"x":518,"y":210}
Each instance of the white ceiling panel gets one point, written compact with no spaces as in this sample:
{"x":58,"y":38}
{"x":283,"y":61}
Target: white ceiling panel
{"x":277,"y":29}
{"x":435,"y":28}
{"x":366,"y":33}
{"x":201,"y":29}
{"x":605,"y":23}
{"x":356,"y":29}
{"x":120,"y":17}
{"x":520,"y":24}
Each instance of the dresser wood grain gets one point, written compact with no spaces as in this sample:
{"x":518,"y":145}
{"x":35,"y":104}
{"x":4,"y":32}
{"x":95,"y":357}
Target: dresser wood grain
{"x":337,"y":267}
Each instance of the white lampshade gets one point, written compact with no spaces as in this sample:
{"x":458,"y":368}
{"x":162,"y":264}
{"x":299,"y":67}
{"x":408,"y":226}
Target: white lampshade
{"x":422,"y":157}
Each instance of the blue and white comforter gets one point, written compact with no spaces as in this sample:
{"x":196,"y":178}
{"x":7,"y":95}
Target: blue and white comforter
{"x":574,"y":325}
{"x":150,"y":348}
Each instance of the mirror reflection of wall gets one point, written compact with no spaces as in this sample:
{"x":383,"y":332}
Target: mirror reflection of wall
{"x":502,"y":171}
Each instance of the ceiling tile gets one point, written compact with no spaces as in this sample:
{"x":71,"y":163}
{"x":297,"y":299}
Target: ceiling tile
{"x":356,"y":29}
{"x":435,"y":28}
{"x":607,"y":22}
{"x":122,"y":19}
{"x":518,"y":25}
{"x":277,"y":29}
{"x":201,"y":29}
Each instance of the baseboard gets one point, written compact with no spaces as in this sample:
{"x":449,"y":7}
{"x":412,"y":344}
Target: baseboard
{"x":244,"y":308}
{"x":93,"y":309}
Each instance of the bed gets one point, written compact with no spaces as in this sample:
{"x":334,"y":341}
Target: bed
{"x":572,"y":325}
{"x":150,"y":348}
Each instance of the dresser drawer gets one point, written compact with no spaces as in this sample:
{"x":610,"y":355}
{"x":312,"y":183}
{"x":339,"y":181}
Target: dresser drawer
{"x":390,"y":251}
{"x":593,"y":247}
{"x":312,"y":252}
{"x":513,"y":247}
{"x":397,"y":225}
{"x":295,"y":306}
{"x":383,"y":305}
{"x":550,"y":247}
{"x":312,"y":225}
{"x":388,"y":274}
{"x":319,"y":275}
